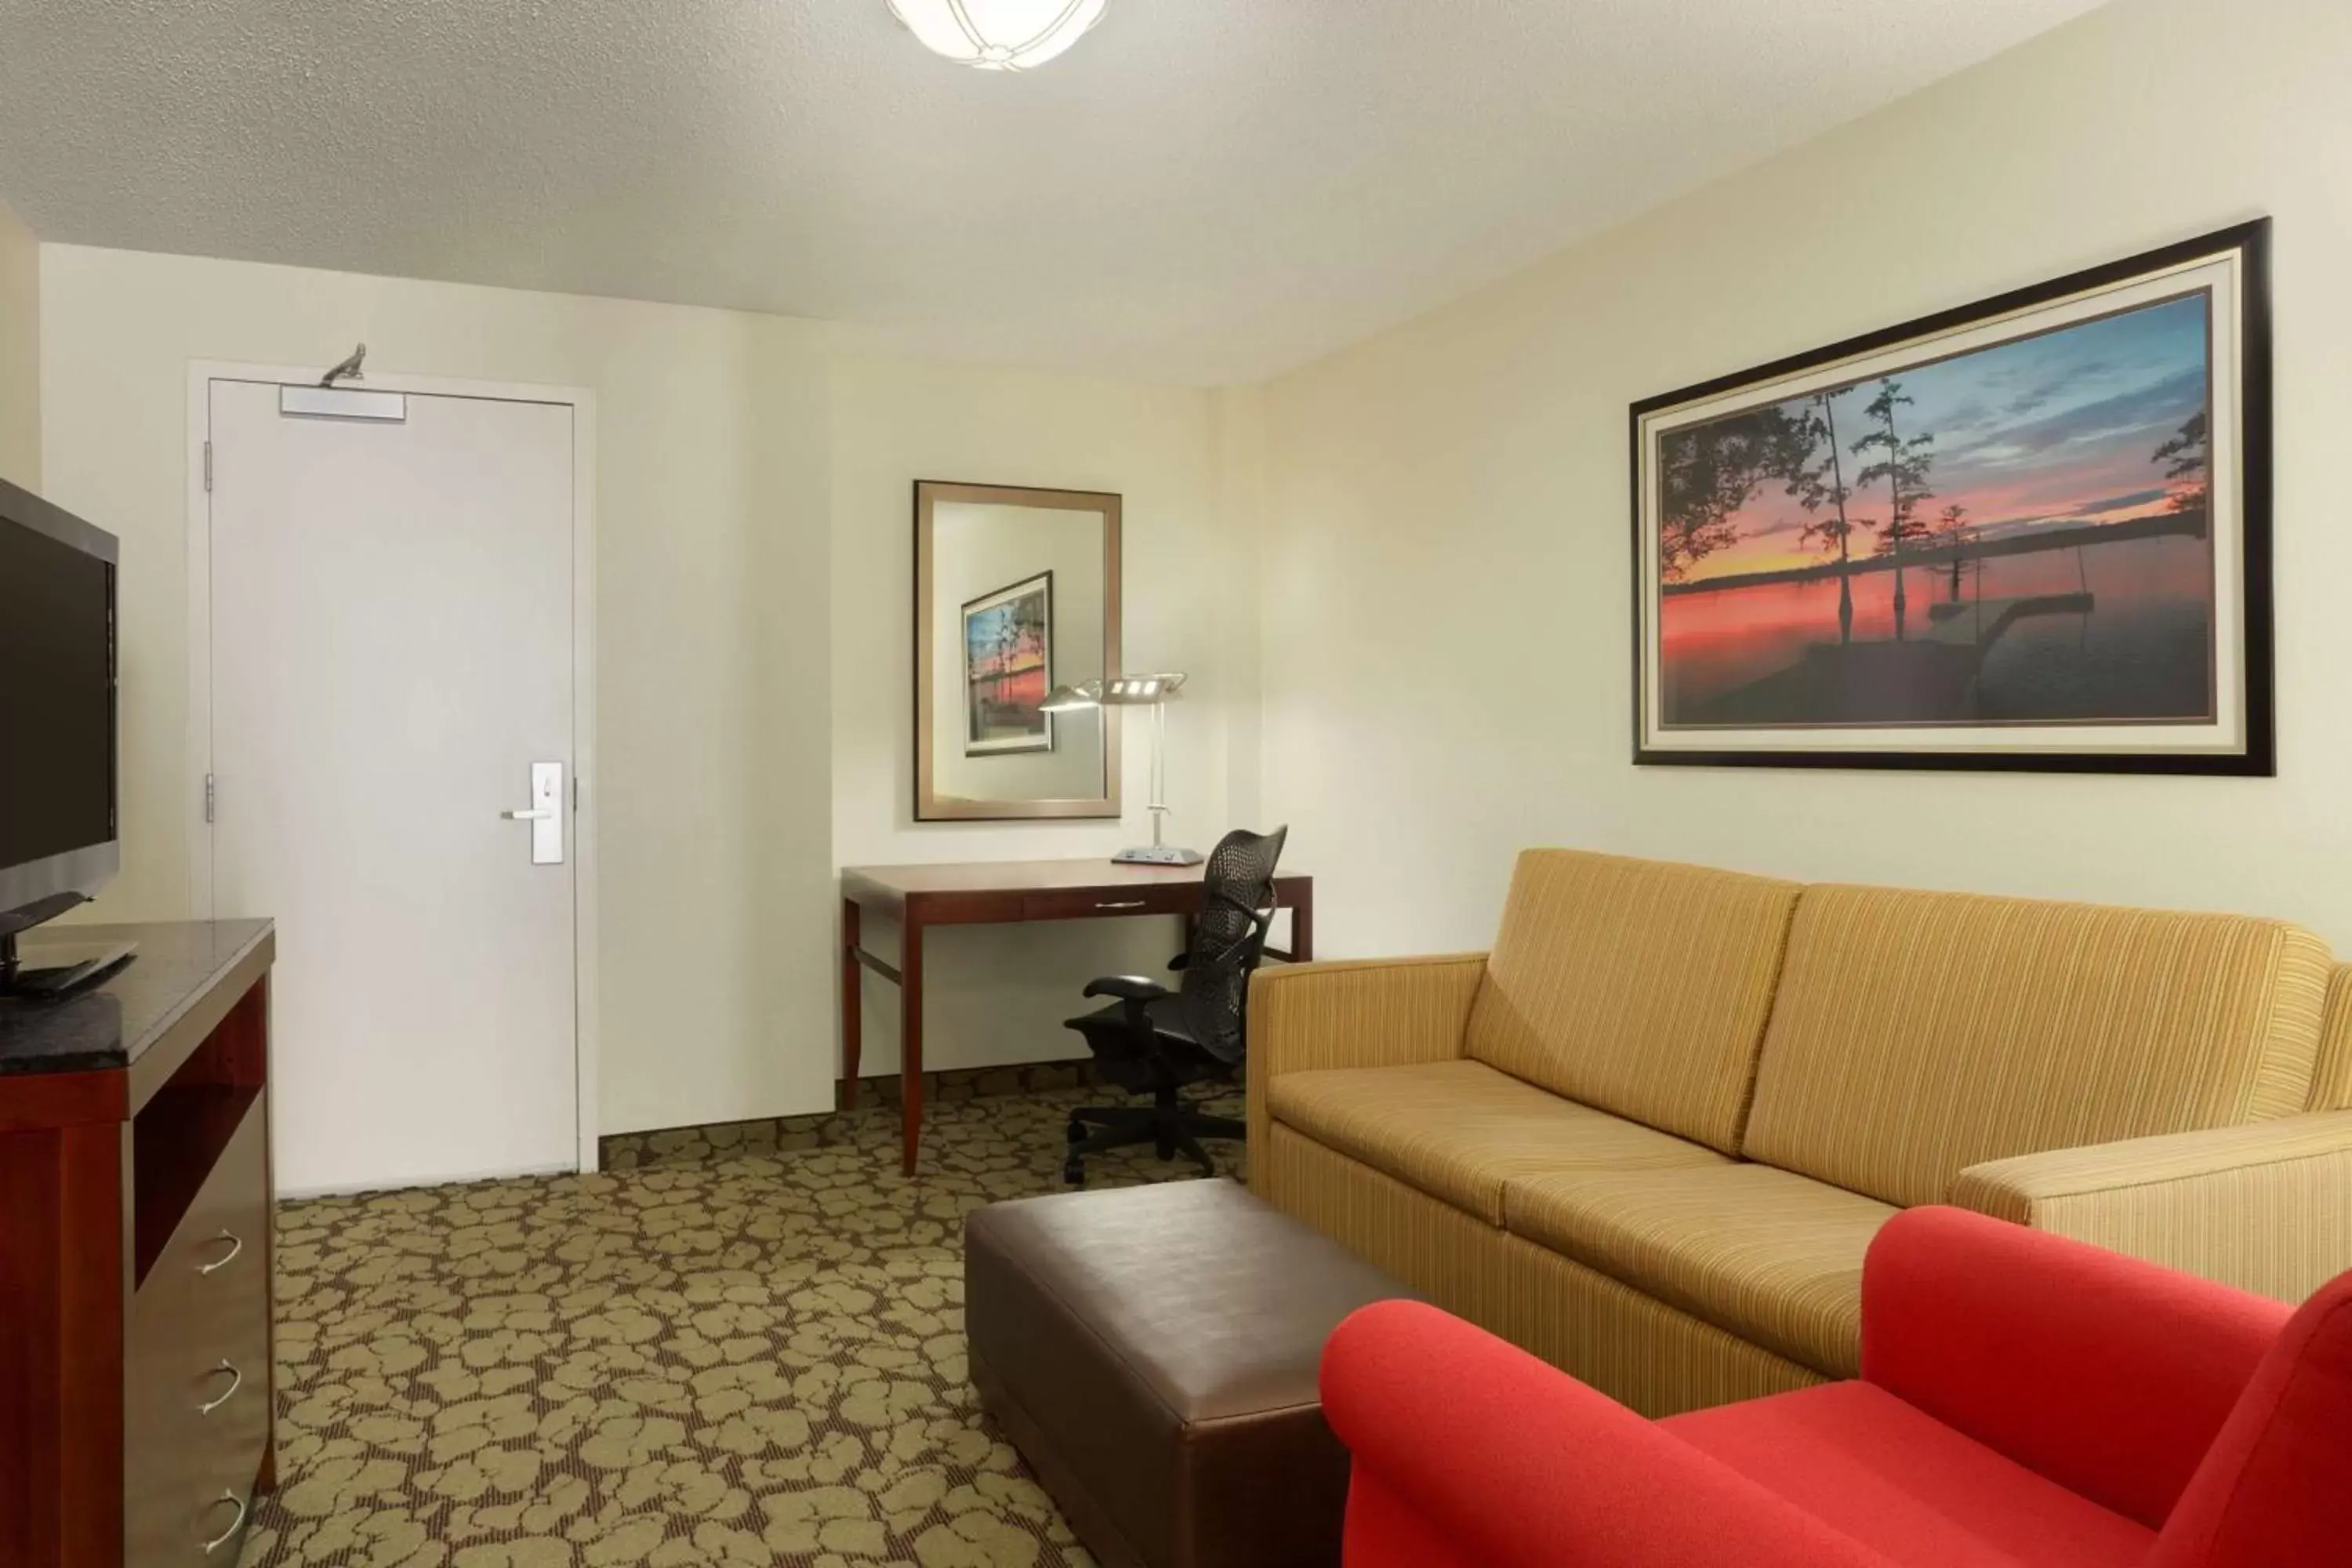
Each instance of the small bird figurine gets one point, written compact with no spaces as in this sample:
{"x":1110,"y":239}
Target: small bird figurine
{"x":349,"y":370}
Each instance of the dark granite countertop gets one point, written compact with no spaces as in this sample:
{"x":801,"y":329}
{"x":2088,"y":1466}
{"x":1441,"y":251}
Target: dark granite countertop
{"x":112,"y":1025}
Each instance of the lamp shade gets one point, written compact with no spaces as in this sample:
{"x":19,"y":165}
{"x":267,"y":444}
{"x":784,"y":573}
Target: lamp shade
{"x":998,"y":35}
{"x":1071,"y":698}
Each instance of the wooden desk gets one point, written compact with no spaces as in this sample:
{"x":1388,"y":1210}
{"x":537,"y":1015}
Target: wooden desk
{"x":999,"y":893}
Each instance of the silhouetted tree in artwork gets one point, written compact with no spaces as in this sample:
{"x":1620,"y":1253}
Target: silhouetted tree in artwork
{"x":1951,"y":530}
{"x":1903,"y":463}
{"x":1821,"y":489}
{"x":2184,"y":454}
{"x":1005,"y":638}
{"x":1706,"y":473}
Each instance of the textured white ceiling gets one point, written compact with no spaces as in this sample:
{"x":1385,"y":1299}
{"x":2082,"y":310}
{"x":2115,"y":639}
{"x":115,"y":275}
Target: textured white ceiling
{"x":1202,"y":189}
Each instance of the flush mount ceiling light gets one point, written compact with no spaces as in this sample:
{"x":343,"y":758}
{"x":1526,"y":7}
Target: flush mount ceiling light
{"x":998,"y":35}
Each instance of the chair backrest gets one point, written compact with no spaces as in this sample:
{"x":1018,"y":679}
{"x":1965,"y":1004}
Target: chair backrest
{"x":2275,"y":1489}
{"x":2110,"y":1375}
{"x":1229,"y":937}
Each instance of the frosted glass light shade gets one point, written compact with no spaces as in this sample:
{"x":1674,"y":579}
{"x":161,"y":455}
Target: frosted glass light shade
{"x":998,"y":35}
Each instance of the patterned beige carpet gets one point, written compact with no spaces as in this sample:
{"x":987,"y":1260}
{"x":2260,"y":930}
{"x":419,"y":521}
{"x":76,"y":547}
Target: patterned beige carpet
{"x":731,"y":1355}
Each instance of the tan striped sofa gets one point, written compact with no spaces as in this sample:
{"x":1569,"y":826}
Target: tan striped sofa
{"x":1650,"y":1134}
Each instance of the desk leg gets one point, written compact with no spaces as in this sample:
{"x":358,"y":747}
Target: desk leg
{"x":1302,"y":926}
{"x":852,"y":1003}
{"x":910,"y":1035}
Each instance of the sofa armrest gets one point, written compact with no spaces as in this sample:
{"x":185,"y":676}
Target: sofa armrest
{"x":1470,"y":1453}
{"x":2266,"y":1205}
{"x":2107,"y":1375}
{"x":1355,"y":1012}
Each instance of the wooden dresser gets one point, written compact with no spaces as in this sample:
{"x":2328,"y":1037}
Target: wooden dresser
{"x":135,"y":1375}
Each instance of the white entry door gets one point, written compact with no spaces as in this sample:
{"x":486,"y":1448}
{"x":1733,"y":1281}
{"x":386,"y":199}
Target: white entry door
{"x":391,"y":615}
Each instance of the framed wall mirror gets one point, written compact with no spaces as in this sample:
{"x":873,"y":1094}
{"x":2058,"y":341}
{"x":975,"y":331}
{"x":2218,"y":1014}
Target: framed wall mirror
{"x":1016,"y":593}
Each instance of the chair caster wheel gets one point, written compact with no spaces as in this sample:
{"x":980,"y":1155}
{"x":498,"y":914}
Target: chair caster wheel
{"x":1074,"y":1173}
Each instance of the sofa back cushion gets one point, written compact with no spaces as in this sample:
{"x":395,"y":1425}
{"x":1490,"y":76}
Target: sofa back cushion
{"x":1917,"y":1034}
{"x":1637,"y":986}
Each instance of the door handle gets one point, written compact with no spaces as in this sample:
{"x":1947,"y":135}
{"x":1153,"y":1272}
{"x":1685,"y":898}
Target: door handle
{"x":545,"y":814}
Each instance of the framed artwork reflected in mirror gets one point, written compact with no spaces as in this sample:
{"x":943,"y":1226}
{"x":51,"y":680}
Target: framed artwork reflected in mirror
{"x":1008,"y":669}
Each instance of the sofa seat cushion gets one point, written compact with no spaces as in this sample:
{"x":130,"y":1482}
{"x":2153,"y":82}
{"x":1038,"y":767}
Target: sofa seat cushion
{"x":1458,"y":1131}
{"x":1771,"y":1256}
{"x":1637,"y":987}
{"x":1856,"y":1458}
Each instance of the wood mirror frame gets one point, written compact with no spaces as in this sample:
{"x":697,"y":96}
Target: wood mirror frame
{"x":932,"y":805}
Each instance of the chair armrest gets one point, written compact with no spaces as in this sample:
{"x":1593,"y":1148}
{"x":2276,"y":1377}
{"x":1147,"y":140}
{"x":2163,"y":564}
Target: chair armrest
{"x":2266,"y":1207}
{"x":1463,"y":1443}
{"x":2108,"y":1375}
{"x":1353,"y":1012}
{"x":1128,"y":987}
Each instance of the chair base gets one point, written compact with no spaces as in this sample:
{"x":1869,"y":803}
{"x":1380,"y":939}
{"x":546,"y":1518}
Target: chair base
{"x":1170,"y":1125}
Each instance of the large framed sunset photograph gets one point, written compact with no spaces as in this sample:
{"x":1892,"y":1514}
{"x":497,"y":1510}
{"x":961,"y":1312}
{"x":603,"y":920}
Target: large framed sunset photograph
{"x":2032,"y":533}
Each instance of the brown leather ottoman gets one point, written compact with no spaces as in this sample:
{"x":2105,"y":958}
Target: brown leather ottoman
{"x":1152,"y":1352}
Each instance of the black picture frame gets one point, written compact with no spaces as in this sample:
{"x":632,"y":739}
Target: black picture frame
{"x":2254,"y":750}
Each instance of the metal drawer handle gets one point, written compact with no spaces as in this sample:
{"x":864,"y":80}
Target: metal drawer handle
{"x":236,"y":1382}
{"x":235,"y":1245}
{"x":226,"y":1536}
{"x":1126,"y":904}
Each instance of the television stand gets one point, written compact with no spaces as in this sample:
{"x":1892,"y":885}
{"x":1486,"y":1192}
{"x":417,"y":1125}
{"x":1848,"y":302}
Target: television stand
{"x":65,"y":968}
{"x":136,"y":1375}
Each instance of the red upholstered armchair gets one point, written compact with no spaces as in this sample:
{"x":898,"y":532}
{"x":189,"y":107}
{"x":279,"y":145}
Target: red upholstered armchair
{"x":2025,"y":1402}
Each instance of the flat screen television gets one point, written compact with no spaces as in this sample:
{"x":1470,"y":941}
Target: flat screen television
{"x":59,"y":816}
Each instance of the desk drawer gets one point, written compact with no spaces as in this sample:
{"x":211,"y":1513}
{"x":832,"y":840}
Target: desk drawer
{"x":196,"y":1370}
{"x":1085,"y":904}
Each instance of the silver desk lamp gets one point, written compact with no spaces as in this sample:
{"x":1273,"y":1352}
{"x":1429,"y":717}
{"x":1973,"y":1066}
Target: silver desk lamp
{"x":1155,"y":692}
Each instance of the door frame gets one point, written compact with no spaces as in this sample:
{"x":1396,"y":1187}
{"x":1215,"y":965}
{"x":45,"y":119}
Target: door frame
{"x":582,"y":402}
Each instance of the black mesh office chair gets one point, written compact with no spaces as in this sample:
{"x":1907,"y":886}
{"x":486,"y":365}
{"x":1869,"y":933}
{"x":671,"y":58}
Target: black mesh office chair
{"x":1158,"y":1042}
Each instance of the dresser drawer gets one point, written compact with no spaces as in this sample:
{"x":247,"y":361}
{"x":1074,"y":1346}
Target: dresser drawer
{"x":1078,"y":904}
{"x":197,"y":1367}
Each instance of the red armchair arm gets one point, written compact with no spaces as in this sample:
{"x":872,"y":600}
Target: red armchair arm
{"x":1470,"y":1453}
{"x":2110,"y":1375}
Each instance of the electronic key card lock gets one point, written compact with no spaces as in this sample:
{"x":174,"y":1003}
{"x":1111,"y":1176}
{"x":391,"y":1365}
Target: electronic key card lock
{"x":545,"y":814}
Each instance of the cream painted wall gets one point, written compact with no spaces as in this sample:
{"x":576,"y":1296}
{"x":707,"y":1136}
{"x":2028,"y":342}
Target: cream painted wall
{"x":1446,"y":567}
{"x":20,"y":353}
{"x":1238,"y":428}
{"x":998,"y":993}
{"x":711,"y":490}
